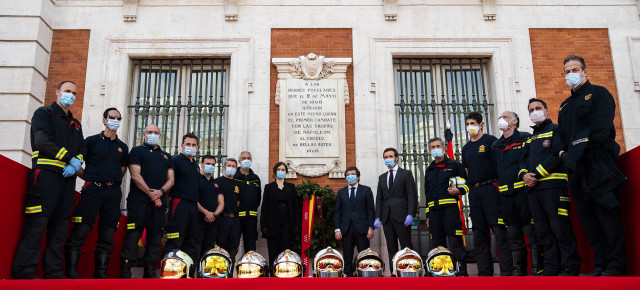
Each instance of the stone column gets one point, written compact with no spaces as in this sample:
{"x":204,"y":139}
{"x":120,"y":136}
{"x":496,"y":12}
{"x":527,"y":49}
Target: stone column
{"x":25,"y":45}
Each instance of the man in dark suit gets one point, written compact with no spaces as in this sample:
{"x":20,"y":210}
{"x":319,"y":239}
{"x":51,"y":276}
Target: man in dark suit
{"x":353,"y":217}
{"x":396,"y":203}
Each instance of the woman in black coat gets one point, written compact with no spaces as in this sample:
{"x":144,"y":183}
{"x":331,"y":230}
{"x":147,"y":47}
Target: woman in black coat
{"x":280,"y":217}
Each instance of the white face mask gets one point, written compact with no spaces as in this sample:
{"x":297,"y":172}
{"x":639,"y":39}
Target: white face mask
{"x":473,"y":130}
{"x":153,"y":139}
{"x":573,"y":80}
{"x":503,"y":124}
{"x":190,"y":151}
{"x":537,"y":117}
{"x":113,"y":125}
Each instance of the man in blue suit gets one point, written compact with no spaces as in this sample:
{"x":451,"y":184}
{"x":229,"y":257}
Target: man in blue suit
{"x":396,"y":203}
{"x":353,"y":217}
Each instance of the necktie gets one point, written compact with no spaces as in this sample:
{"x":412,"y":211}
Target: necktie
{"x":390,"y":179}
{"x":352,"y":196}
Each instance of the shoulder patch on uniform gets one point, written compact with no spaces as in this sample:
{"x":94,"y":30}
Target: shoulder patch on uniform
{"x":165,"y":157}
{"x":587,"y":97}
{"x":120,"y":149}
{"x":546,"y":143}
{"x":481,"y":149}
{"x":236,"y":190}
{"x":216,"y":185}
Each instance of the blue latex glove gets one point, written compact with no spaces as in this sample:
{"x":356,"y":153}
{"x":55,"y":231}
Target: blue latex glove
{"x":68,"y":171}
{"x":76,"y":163}
{"x":376,"y":224}
{"x":408,"y":221}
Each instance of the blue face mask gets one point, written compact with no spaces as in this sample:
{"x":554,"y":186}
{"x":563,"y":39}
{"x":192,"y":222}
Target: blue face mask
{"x":209,"y":169}
{"x":153,"y":139}
{"x":230,"y":171}
{"x":113,"y":125}
{"x":246,"y":164}
{"x":190,"y":151}
{"x":281,"y":174}
{"x":67,"y":99}
{"x":437,"y":153}
{"x":351,"y":178}
{"x":573,"y":80}
{"x":390,"y":163}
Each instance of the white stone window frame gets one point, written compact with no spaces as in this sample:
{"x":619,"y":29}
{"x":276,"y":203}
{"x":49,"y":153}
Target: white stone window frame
{"x":117,"y":77}
{"x":501,"y":77}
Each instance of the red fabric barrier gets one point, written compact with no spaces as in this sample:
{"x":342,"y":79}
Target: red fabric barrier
{"x":520,"y":283}
{"x":14,"y":176}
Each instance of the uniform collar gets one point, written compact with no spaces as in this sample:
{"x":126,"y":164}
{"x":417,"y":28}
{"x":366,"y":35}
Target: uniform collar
{"x":582,"y":89}
{"x":251,"y":175}
{"x":543,"y":124}
{"x":439,"y":164}
{"x":58,"y":111}
{"x":145,"y":145}
{"x":181,"y":155}
{"x":107,"y":138}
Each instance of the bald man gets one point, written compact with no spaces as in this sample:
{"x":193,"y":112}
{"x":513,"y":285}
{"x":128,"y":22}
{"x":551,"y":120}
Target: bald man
{"x":151,"y":177}
{"x":507,"y":152}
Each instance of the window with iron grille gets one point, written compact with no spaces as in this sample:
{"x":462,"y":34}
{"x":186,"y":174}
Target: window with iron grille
{"x":180,"y":96}
{"x":433,"y":94}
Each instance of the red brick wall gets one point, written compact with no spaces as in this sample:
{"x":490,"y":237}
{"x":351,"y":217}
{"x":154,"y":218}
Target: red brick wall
{"x":328,"y":42}
{"x":550,"y":46}
{"x":68,"y":62}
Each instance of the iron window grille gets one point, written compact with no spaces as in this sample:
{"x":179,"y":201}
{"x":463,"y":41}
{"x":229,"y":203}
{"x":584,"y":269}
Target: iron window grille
{"x":433,"y":94}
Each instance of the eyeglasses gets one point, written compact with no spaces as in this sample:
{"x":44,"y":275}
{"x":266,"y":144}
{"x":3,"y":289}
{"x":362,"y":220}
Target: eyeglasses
{"x":114,"y":117}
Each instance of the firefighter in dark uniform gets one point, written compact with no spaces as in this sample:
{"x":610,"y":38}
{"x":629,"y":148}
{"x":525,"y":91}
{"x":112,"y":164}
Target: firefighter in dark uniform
{"x":151,"y":177}
{"x":249,"y":203}
{"x":58,"y":150}
{"x":182,"y":220}
{"x":586,"y":140}
{"x":443,"y":215}
{"x":210,"y":205}
{"x":229,"y":231}
{"x":107,"y":157}
{"x":484,"y":200}
{"x":549,"y":201}
{"x":507,"y":152}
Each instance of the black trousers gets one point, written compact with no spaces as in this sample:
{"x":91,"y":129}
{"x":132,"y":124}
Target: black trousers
{"x":394,"y":231}
{"x":278,"y":241}
{"x":602,"y":223}
{"x":141,"y":216}
{"x":229,"y":235}
{"x":350,"y":239}
{"x":550,"y":211}
{"x":182,"y":228}
{"x":249,"y":230}
{"x":484,"y":205}
{"x":445,"y":226}
{"x":96,"y":198}
{"x":49,"y":204}
{"x":517,"y":217}
{"x":207,"y":237}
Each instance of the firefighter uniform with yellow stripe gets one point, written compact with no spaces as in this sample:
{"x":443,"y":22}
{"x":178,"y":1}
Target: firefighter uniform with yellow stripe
{"x":56,"y":138}
{"x":549,"y":202}
{"x":229,"y":227}
{"x":442,"y":210}
{"x":484,"y":205}
{"x":513,"y":201}
{"x":248,"y":211}
{"x":586,"y":133}
{"x":101,"y":194}
{"x":142,"y":213}
{"x":182,"y":222}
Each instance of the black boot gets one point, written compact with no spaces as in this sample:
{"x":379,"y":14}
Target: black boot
{"x":537,"y":261}
{"x":125,"y":269}
{"x":520,"y":263}
{"x":101,"y":265}
{"x":463,"y":270}
{"x":71,"y":257}
{"x":150,"y":271}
